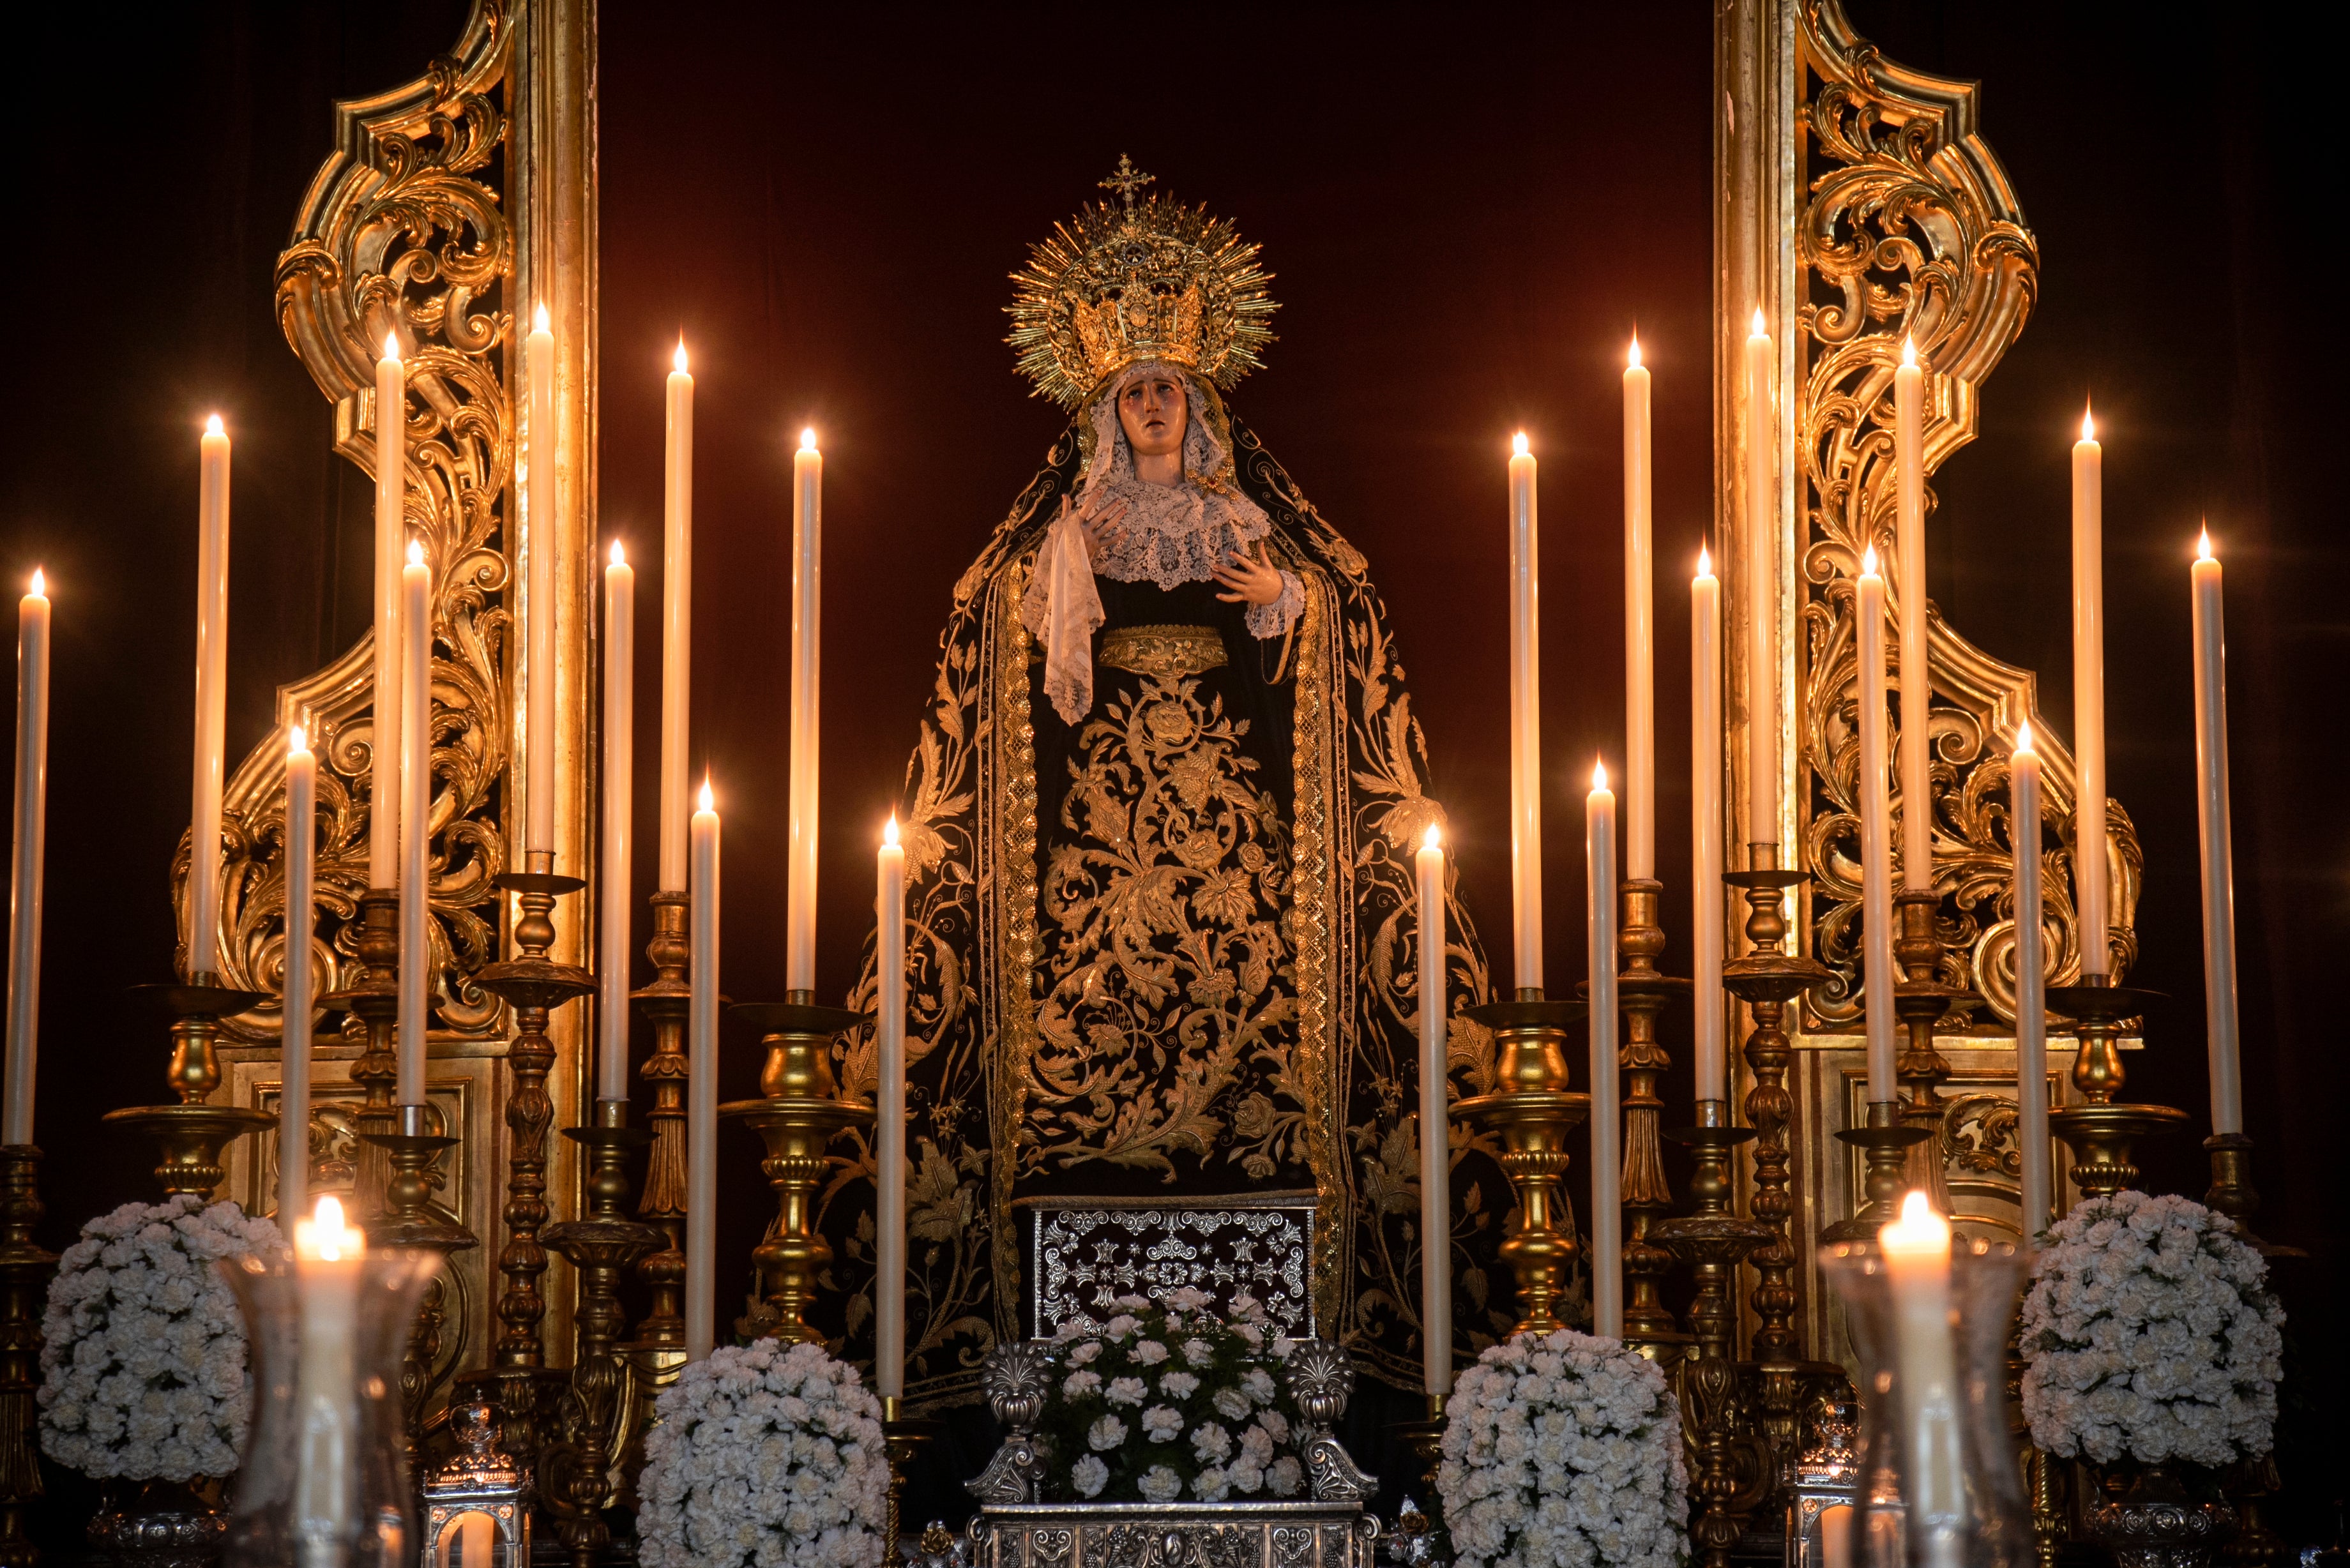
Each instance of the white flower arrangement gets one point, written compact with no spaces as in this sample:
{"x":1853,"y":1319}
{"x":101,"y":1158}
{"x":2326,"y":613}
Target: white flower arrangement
{"x":1162,"y":1403}
{"x":144,"y":1374}
{"x":2150,"y":1337}
{"x":1562,"y":1449}
{"x":764,"y":1457}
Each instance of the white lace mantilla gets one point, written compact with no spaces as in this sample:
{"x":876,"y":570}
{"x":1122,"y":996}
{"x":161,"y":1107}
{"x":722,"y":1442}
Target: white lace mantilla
{"x":1169,"y":534}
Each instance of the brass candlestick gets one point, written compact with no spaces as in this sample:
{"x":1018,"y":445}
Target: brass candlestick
{"x":2101,"y":1131}
{"x":1920,"y":1001}
{"x":1712,"y":1241}
{"x":24,"y":1284}
{"x":798,"y":1114}
{"x":534,"y":985}
{"x":374,"y":997}
{"x":1767,"y":978}
{"x":575,"y":1476}
{"x":406,"y":1221}
{"x":1886,"y":1144}
{"x":2231,"y":1193}
{"x":193,"y":1134}
{"x":666,"y":1002}
{"x":1533,"y":1110}
{"x":903,"y":1438}
{"x":1423,"y":1439}
{"x":1642,"y":994}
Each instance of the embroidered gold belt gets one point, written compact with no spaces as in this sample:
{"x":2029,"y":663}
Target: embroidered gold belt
{"x":1164,"y":650}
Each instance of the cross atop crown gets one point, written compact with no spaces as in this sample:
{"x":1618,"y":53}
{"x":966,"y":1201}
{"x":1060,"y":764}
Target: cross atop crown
{"x":1126,"y":180}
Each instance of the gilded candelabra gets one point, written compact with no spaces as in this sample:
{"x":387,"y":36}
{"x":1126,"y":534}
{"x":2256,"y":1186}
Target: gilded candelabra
{"x":407,"y":1220}
{"x":1713,"y":1241}
{"x":1643,"y":992}
{"x":192,"y":1134}
{"x":1767,"y":978}
{"x":665,"y":1003}
{"x":2101,"y":1131}
{"x":798,"y":1113}
{"x":903,"y":1437}
{"x":24,"y":1284}
{"x":373,"y":999}
{"x":534,"y":985}
{"x":574,"y":1473}
{"x":1533,"y":1110}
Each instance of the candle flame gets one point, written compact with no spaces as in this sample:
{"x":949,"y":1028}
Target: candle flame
{"x":1598,"y":776}
{"x":1868,"y":561}
{"x":807,"y":438}
{"x":619,"y":556}
{"x":1761,"y":328}
{"x":677,"y":361}
{"x":889,"y":832}
{"x":1433,"y":838}
{"x":40,"y":583}
{"x":538,"y":318}
{"x":708,"y":801}
{"x":1919,"y":1229}
{"x":1704,"y":562}
{"x":1518,"y":443}
{"x":2023,"y":737}
{"x":391,"y":347}
{"x":2088,"y":424}
{"x":2202,"y":548}
{"x":1636,"y":351}
{"x":212,"y":425}
{"x":325,"y":1237}
{"x":296,"y":740}
{"x":415,"y":552}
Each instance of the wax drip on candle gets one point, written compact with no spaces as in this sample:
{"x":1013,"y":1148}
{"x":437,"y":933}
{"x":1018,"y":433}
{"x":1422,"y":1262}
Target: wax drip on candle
{"x":1908,"y":353}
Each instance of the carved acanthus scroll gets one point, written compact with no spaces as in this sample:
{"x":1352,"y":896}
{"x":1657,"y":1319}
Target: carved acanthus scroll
{"x":402,"y":231}
{"x":1911,"y":231}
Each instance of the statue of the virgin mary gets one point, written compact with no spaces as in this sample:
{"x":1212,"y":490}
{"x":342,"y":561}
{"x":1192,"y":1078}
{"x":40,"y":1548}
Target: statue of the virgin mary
{"x":1159,"y":828}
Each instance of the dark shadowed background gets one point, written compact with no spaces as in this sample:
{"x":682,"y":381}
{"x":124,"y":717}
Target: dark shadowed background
{"x":1468,"y":211}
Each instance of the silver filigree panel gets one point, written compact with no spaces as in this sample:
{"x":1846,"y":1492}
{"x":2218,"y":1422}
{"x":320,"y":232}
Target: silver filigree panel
{"x":1085,"y":1255}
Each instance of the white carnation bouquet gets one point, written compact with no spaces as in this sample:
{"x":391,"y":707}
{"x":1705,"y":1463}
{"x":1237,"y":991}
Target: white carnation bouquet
{"x":2150,"y":1337}
{"x":764,"y":1456}
{"x":1164,"y":1402}
{"x":143,"y":1367}
{"x":1562,"y":1449}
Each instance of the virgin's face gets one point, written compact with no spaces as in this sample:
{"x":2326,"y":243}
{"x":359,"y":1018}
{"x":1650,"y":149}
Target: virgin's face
{"x":1151,"y":408}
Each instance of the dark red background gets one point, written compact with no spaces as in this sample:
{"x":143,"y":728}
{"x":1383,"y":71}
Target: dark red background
{"x":1467,"y":212}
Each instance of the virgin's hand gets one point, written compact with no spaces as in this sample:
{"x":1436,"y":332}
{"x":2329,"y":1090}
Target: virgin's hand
{"x":1100,"y":525}
{"x":1253,"y":579}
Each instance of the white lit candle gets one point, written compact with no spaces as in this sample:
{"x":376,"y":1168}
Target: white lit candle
{"x":619,"y":808}
{"x":1836,"y":1535}
{"x":27,"y":869}
{"x":1606,"y":1113}
{"x":1916,"y":671}
{"x":1705,"y":830}
{"x":539,"y":445}
{"x":808,"y":602}
{"x":1435,"y":1128}
{"x":2030,"y":982}
{"x":295,"y":1020}
{"x":1525,"y":723}
{"x":329,"y":1259}
{"x":1916,"y":1251}
{"x":1876,"y":831}
{"x":1639,"y":631}
{"x":2219,"y":863}
{"x":677,"y":624}
{"x":211,"y":703}
{"x":1761,"y":594}
{"x":889,"y":972}
{"x":701,"y":1090}
{"x":415,"y":816}
{"x":391,"y":553}
{"x":2090,"y":886}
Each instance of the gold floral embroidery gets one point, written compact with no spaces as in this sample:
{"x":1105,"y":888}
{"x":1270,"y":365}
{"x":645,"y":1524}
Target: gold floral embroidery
{"x":1164,"y":650}
{"x":1165,"y":1019}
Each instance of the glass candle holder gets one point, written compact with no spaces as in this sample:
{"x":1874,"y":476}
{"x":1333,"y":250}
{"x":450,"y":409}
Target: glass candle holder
{"x":1940,"y":1478}
{"x":325,"y":1480}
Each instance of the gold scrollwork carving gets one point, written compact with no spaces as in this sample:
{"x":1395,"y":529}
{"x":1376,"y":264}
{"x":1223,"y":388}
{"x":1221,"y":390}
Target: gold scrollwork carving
{"x":1911,"y":230}
{"x":402,"y":231}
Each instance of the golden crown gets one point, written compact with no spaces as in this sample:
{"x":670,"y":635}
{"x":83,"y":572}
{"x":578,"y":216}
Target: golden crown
{"x":1116,"y":286}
